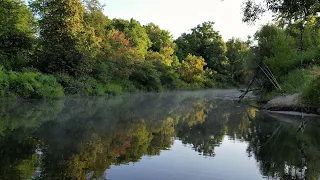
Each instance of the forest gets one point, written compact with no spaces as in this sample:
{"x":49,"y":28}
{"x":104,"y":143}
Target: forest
{"x":50,"y":49}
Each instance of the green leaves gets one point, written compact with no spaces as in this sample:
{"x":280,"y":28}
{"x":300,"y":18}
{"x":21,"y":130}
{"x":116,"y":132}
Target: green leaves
{"x":64,"y":41}
{"x":160,"y":38}
{"x":192,"y":68}
{"x":203,"y":41}
{"x":286,"y":10}
{"x":237,"y":54}
{"x":29,"y":85}
{"x":134,"y":32}
{"x":16,"y":34}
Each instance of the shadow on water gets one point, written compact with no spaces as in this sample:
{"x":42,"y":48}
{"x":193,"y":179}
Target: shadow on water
{"x":82,"y":138}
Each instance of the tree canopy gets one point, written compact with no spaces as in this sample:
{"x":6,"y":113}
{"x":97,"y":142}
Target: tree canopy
{"x":17,"y":33}
{"x":284,"y":9}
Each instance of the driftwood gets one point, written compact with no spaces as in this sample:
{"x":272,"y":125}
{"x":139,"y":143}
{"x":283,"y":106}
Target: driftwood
{"x":267,"y":72}
{"x":255,"y":89}
{"x":248,"y":88}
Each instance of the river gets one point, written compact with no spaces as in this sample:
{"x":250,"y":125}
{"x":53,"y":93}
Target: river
{"x":182,"y":135}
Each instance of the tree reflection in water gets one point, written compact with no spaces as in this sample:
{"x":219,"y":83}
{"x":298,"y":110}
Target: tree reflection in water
{"x":82,"y":138}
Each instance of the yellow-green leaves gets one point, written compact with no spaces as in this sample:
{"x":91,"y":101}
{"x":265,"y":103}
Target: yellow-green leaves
{"x":192,"y":68}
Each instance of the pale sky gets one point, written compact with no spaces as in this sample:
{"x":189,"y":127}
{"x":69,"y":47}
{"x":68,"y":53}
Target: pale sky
{"x":179,"y":16}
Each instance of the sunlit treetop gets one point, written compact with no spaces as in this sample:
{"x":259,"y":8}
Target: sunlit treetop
{"x":282,"y":9}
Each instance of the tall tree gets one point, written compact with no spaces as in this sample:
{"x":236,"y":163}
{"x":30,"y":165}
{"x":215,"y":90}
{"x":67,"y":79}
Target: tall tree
{"x":95,"y":18}
{"x":159,"y":38}
{"x":16,"y":33}
{"x":134,"y":32}
{"x":237,"y":52}
{"x":286,"y":10}
{"x":206,"y":42}
{"x":62,"y":34}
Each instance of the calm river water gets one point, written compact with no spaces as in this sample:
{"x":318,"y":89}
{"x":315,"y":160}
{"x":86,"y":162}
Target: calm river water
{"x":185,"y":135}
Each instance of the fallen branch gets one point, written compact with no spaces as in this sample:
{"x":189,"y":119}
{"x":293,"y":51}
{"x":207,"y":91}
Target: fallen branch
{"x":248,"y":88}
{"x":241,"y":90}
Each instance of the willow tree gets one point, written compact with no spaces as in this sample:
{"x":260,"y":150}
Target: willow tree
{"x":62,"y":35}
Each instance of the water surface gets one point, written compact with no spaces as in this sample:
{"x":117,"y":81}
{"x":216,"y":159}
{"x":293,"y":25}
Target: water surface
{"x":176,"y":135}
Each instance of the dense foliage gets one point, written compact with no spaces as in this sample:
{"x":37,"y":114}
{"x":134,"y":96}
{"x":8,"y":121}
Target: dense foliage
{"x":294,"y":68}
{"x":87,"y":53}
{"x":285,"y":10}
{"x":69,"y":47}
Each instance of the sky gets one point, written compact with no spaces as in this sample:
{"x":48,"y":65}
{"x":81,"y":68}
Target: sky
{"x":179,"y":16}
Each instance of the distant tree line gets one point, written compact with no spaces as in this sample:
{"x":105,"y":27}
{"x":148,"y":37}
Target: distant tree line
{"x":53,"y":48}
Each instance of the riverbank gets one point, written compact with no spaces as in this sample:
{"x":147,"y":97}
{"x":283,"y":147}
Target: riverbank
{"x":290,"y":103}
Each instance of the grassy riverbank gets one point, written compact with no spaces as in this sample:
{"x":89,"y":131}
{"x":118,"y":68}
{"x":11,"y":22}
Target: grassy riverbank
{"x":305,"y":83}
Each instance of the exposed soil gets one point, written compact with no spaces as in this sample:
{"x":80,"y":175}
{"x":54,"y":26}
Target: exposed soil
{"x":289,"y":104}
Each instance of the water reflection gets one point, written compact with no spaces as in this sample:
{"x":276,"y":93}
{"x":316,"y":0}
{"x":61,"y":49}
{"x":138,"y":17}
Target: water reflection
{"x":82,"y":138}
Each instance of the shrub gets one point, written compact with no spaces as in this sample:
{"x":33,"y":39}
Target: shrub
{"x":49,"y":87}
{"x":114,"y":89}
{"x":170,"y":79}
{"x":293,"y":82}
{"x":88,"y":86}
{"x":311,"y":93}
{"x":29,"y":85}
{"x":209,"y":83}
{"x":74,"y":86}
{"x":96,"y":88}
{"x":192,"y":68}
{"x":4,"y":84}
{"x":128,"y":86}
{"x":146,"y":77}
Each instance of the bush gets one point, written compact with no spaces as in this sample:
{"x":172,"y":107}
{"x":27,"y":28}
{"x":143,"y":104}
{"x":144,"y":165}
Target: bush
{"x":48,"y":87}
{"x":4,"y":84}
{"x":209,"y":83}
{"x":146,"y":77}
{"x":283,"y":54}
{"x":88,"y":86}
{"x":93,"y":88}
{"x":170,"y":79}
{"x":127,"y":86}
{"x":114,"y":89}
{"x":101,"y":72}
{"x":311,"y":93}
{"x":29,"y":85}
{"x":292,"y":82}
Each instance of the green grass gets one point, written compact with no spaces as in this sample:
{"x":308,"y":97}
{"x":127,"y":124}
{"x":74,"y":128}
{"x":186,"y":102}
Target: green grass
{"x":311,"y":93}
{"x":293,"y":82}
{"x":309,"y":84}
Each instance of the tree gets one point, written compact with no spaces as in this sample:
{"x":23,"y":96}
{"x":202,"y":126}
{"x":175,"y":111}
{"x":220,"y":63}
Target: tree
{"x":237,"y":52}
{"x":192,"y":68}
{"x":159,"y":38}
{"x":95,"y":19}
{"x":286,"y":10}
{"x":203,"y":41}
{"x":16,"y":33}
{"x":134,"y":32}
{"x":122,"y":58}
{"x":63,"y":36}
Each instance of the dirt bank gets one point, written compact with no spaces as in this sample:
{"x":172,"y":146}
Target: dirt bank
{"x":289,"y":103}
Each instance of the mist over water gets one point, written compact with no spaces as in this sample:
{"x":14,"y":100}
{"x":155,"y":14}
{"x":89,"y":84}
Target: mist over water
{"x":173,"y":135}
